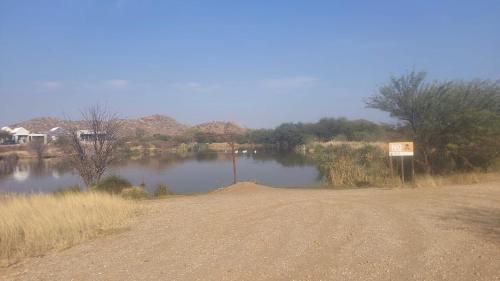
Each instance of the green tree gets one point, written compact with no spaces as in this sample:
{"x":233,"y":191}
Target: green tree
{"x":4,"y":135}
{"x":442,"y":118}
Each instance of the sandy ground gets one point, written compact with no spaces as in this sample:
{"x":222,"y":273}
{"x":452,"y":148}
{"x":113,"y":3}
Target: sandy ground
{"x":252,"y":232}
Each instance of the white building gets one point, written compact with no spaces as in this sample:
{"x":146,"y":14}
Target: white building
{"x":88,"y":135}
{"x":55,"y":133}
{"x":37,"y":137}
{"x":21,"y":135}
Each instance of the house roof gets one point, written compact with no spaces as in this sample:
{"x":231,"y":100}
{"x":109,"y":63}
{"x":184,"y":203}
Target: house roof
{"x":20,"y":131}
{"x":8,"y":129}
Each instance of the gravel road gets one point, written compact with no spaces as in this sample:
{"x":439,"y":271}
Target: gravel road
{"x":253,"y":232}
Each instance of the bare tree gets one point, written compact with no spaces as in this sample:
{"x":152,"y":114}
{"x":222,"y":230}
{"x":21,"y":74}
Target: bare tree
{"x":38,"y":147}
{"x":93,"y":147}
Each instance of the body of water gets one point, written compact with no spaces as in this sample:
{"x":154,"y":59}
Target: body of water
{"x":187,"y":174}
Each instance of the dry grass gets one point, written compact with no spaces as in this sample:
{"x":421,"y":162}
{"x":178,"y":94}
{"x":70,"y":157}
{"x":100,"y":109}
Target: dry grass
{"x":354,"y":144}
{"x":32,"y":225}
{"x":453,"y":179}
{"x":224,"y":146}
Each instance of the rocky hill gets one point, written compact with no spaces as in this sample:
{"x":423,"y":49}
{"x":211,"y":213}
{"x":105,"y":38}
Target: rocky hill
{"x":154,"y":124}
{"x":41,"y":125}
{"x":147,"y":125}
{"x":219,"y":127}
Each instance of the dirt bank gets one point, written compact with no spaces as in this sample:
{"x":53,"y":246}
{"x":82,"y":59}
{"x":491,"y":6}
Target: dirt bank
{"x":24,"y":152}
{"x":252,"y":232}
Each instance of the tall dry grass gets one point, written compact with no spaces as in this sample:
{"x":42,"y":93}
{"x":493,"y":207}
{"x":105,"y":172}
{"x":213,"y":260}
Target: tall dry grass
{"x":346,"y":165}
{"x":455,"y":179}
{"x":31,"y":225}
{"x":354,"y":144}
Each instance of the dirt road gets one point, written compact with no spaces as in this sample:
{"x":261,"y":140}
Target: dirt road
{"x":251,"y":232}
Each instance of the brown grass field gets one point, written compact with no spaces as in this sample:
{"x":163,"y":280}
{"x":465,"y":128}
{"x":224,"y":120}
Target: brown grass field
{"x":33,"y":224}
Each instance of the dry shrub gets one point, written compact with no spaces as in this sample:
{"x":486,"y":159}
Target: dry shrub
{"x":312,"y":146}
{"x":162,"y":190}
{"x":344,"y":165}
{"x":32,"y":225}
{"x":135,"y":193}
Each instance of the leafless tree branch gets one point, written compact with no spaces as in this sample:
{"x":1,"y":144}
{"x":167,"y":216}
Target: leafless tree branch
{"x":93,"y":152}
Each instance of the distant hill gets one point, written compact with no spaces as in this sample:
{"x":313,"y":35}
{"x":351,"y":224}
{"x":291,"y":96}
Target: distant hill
{"x":219,"y":127}
{"x":148,"y":125}
{"x":154,"y":124}
{"x":41,"y":125}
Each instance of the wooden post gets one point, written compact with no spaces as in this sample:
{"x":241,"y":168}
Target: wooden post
{"x":402,"y":170}
{"x":412,"y":168}
{"x":390,"y":167}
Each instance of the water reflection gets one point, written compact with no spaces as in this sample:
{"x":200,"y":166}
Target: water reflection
{"x":20,"y":173}
{"x":182,"y":173}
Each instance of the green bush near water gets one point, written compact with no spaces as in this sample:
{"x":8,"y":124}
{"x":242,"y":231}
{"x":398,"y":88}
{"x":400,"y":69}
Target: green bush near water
{"x":113,"y":184}
{"x":161,"y":190}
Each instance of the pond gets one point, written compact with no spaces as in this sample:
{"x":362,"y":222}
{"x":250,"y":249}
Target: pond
{"x":182,"y":174}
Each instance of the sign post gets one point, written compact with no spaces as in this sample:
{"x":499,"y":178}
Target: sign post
{"x":401,"y":149}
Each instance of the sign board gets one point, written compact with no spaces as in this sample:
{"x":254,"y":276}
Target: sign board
{"x":401,"y":148}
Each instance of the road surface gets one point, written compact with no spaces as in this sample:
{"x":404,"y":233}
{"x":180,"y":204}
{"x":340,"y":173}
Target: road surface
{"x":253,"y":232}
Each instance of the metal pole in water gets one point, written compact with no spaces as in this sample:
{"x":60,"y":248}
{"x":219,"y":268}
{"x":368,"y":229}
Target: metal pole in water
{"x":234,"y":162}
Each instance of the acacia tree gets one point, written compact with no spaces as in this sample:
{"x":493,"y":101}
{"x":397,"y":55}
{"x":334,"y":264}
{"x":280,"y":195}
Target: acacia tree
{"x":441,"y":117}
{"x":92,"y":155}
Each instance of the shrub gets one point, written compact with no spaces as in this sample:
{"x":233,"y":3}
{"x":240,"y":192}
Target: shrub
{"x":343,"y":165}
{"x":161,"y":190}
{"x":134,"y":193}
{"x":113,"y":184}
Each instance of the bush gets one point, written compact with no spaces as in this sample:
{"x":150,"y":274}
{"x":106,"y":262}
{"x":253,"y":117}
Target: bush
{"x":113,"y":184}
{"x":343,"y":165}
{"x":134,"y":193}
{"x":161,"y":190}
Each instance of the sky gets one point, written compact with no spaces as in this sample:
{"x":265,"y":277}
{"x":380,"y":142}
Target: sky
{"x":258,"y":63}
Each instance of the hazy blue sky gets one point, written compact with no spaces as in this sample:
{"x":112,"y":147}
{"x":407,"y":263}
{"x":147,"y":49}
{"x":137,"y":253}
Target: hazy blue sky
{"x":258,"y":63}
